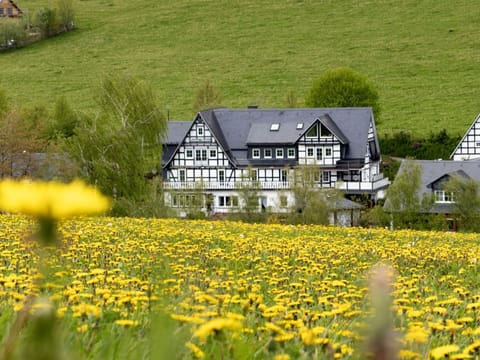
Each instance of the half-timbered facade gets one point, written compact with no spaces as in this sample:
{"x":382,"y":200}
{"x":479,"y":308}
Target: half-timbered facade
{"x":469,"y":146}
{"x":221,"y":150}
{"x":10,"y":9}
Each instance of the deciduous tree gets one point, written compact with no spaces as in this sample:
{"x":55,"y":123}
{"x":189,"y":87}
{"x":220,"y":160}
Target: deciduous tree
{"x":343,"y":87}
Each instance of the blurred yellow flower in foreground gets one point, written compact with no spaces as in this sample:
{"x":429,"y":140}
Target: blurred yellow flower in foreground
{"x":51,"y":200}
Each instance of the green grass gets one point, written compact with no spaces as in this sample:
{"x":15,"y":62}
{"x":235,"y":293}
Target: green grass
{"x":421,"y":55}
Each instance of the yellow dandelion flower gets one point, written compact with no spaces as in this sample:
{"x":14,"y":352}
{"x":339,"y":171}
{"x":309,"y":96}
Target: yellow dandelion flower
{"x":126,"y":322}
{"x":409,"y":355}
{"x":442,"y":351}
{"x":417,"y":334}
{"x":216,"y":325}
{"x":51,"y":200}
{"x":197,"y":352}
{"x":82,"y":328}
{"x":282,"y":357}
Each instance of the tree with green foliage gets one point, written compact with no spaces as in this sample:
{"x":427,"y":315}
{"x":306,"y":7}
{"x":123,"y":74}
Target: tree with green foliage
{"x":313,"y":205}
{"x":66,"y":15}
{"x":249,"y":195}
{"x":64,"y":120}
{"x":466,"y":199}
{"x":47,"y":22}
{"x":118,"y":147}
{"x":403,"y":199}
{"x":12,"y":33}
{"x":207,"y":97}
{"x":343,"y":87}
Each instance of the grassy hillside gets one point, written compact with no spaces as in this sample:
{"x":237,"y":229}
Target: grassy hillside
{"x":422,"y":56}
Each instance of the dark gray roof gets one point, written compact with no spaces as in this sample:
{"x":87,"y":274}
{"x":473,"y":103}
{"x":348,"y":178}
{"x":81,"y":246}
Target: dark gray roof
{"x":236,"y":128}
{"x":434,"y":170}
{"x":177,"y":131}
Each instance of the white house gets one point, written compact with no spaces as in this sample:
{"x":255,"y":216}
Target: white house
{"x":221,"y":148}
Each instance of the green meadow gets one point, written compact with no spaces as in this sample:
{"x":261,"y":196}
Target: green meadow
{"x":423,"y":56}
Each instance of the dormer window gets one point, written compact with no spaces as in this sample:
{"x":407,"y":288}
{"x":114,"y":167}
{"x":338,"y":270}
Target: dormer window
{"x":324,"y":131}
{"x":275,"y":127}
{"x":267,"y":153}
{"x":299,"y":126}
{"x":313,"y":132}
{"x":256,"y":153}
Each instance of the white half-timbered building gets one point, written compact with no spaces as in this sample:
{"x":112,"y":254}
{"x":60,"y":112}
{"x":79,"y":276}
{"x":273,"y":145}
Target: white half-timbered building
{"x":220,"y":148}
{"x":469,"y":147}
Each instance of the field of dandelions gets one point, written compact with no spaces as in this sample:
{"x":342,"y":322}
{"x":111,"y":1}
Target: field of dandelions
{"x":153,"y":289}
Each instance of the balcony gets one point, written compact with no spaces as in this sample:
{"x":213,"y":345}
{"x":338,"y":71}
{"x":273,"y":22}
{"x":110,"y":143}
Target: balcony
{"x":379,"y":182}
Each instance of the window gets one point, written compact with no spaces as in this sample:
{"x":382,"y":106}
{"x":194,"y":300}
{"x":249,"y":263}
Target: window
{"x":477,"y":144}
{"x":1,"y":11}
{"x":253,"y":174}
{"x":10,"y":11}
{"x":227,"y":201}
{"x":213,"y":154}
{"x":283,"y":201}
{"x":313,"y":132}
{"x":324,"y":131}
{"x":310,"y":152}
{"x":200,"y":131}
{"x":326,"y":176}
{"x":256,"y":153}
{"x":181,"y":175}
{"x":221,"y":176}
{"x":328,"y":152}
{"x":291,"y":153}
{"x":299,"y":126}
{"x":319,"y":153}
{"x":275,"y":127}
{"x":279,"y":153}
{"x":267,"y":153}
{"x":443,"y":196}
{"x":200,"y":155}
{"x":189,"y":153}
{"x":284,"y":176}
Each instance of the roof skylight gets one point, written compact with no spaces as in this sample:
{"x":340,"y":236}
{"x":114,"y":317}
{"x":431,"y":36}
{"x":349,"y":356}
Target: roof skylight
{"x":275,"y":127}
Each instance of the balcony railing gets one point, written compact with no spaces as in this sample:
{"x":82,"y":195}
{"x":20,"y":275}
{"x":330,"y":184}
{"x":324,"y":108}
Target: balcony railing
{"x":379,"y":182}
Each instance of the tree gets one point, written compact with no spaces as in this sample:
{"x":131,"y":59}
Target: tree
{"x":403,"y":200}
{"x":207,"y":97}
{"x":64,"y":120}
{"x":312,"y":205}
{"x":66,"y":15}
{"x":249,"y":195}
{"x":118,"y":147}
{"x":343,"y":87}
{"x":467,"y":201}
{"x":20,"y":138}
{"x":46,"y":20}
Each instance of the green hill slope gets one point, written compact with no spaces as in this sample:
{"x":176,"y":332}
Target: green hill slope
{"x":423,"y":56}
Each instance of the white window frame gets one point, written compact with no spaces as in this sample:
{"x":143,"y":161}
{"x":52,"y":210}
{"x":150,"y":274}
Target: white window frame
{"x":319,"y":153}
{"x":212,"y":153}
{"x":326,"y":176}
{"x":289,"y":155}
{"x":227,"y":201}
{"x":189,"y":153}
{"x":256,"y":153}
{"x":200,"y":131}
{"x":279,"y":153}
{"x":221,"y":176}
{"x":182,"y":174}
{"x":310,"y":149}
{"x":265,"y":153}
{"x":328,"y":152}
{"x":444,"y":197}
